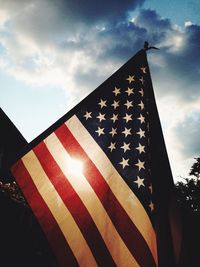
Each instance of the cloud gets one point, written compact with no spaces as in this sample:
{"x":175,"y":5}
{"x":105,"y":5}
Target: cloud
{"x":152,"y":22}
{"x":180,"y":123}
{"x":53,"y":20}
{"x":187,"y":133}
{"x":100,"y":11}
{"x":76,"y":46}
{"x":188,"y":23}
{"x":40,"y":37}
{"x":58,"y":37}
{"x":178,"y":60}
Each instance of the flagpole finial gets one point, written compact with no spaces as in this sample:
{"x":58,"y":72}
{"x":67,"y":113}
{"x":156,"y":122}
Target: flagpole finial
{"x":147,"y":47}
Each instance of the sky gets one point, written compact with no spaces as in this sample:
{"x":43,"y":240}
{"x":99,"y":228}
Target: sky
{"x":53,"y":53}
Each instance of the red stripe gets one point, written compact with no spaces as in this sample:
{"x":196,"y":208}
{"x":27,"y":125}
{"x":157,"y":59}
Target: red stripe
{"x":125,"y":227}
{"x":75,"y":206}
{"x":53,"y":233}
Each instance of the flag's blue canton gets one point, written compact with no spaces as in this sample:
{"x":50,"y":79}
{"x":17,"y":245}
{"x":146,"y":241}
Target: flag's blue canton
{"x":118,"y":121}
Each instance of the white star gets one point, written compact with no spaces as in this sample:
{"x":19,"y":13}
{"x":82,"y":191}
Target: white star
{"x":100,"y":131}
{"x":102,"y":103}
{"x":101,"y":117}
{"x":112,"y":146}
{"x":128,"y":117}
{"x":87,"y":115}
{"x":129,"y":91}
{"x":139,"y":182}
{"x":114,"y":118}
{"x":143,"y":69}
{"x":127,"y":131}
{"x":151,"y":188}
{"x":124,"y":163}
{"x":130,"y":79}
{"x":142,"y":80}
{"x":141,"y":105}
{"x":151,"y":206}
{"x":141,"y":133}
{"x":126,"y":147}
{"x":141,"y":118}
{"x":140,"y":164}
{"x":128,"y":104}
{"x":140,"y":148}
{"x":141,"y":92}
{"x":117,"y":91}
{"x":115,"y":104}
{"x":113,"y":131}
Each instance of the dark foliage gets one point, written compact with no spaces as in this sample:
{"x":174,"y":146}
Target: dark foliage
{"x":188,"y":191}
{"x":195,"y":169}
{"x":22,"y":241}
{"x":188,"y":197}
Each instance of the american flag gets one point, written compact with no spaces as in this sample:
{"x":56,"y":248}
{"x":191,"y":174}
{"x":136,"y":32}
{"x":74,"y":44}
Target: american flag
{"x":88,"y":177}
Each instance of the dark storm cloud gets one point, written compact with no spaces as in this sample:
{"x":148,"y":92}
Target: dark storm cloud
{"x":151,"y":21}
{"x":124,"y":38}
{"x":91,"y":11}
{"x":128,"y":37}
{"x":179,"y":54}
{"x":182,"y":62}
{"x":82,"y":26}
{"x":185,"y":63}
{"x":50,"y":21}
{"x":120,"y":41}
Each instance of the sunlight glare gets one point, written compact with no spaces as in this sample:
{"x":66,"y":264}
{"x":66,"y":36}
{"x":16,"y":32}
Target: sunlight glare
{"x":76,"y":166}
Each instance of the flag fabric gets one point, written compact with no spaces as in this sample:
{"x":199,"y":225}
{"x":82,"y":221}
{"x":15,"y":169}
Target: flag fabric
{"x":89,"y":178}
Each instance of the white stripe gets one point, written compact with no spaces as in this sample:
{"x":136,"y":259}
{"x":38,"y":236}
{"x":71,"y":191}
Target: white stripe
{"x":113,"y":241}
{"x":123,"y":193}
{"x":61,"y":214}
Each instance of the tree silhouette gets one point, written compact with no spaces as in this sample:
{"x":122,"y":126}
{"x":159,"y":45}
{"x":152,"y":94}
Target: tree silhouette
{"x":188,"y":197}
{"x":188,"y":192}
{"x":195,"y":169}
